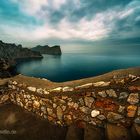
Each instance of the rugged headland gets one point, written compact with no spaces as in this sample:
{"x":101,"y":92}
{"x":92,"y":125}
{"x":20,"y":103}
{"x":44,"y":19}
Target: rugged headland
{"x":13,"y":51}
{"x":54,"y":50}
{"x":85,"y":109}
{"x":10,"y":54}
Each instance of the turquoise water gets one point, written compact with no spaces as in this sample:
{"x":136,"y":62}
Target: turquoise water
{"x":75,"y":66}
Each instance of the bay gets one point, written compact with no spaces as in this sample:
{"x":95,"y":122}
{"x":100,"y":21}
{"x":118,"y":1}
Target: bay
{"x":74,"y":66}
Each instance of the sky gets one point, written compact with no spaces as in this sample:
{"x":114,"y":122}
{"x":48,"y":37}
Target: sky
{"x":74,"y":24}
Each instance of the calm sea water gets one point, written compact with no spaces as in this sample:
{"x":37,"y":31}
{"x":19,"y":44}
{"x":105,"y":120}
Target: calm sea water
{"x":75,"y":66}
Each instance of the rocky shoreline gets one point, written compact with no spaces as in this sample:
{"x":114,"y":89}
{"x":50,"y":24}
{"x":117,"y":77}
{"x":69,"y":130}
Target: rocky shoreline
{"x":10,"y":54}
{"x":12,"y":51}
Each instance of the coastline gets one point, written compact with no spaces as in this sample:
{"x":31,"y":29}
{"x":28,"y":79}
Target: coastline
{"x":104,"y":77}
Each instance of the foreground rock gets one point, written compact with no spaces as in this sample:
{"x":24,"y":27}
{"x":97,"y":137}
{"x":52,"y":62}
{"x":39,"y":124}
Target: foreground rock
{"x":66,"y":104}
{"x":112,"y":105}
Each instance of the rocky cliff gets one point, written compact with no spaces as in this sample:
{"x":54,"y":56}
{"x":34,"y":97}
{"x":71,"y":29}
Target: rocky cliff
{"x":54,"y":50}
{"x":13,"y":51}
{"x":9,"y":54}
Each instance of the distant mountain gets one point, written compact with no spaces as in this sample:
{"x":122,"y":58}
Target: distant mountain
{"x":54,"y":50}
{"x":13,"y":51}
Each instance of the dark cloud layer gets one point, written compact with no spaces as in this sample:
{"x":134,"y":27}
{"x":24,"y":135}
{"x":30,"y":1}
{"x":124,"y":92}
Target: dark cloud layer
{"x":71,"y":21}
{"x":89,"y":8}
{"x":85,"y":8}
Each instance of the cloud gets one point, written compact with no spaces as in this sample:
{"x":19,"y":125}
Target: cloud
{"x":35,"y":7}
{"x":94,"y":29}
{"x":89,"y":20}
{"x":30,"y":6}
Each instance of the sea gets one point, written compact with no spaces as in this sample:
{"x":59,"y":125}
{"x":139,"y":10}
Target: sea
{"x":73,"y":66}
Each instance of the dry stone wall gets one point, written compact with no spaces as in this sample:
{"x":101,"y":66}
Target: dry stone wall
{"x":116,"y":101}
{"x":4,"y":95}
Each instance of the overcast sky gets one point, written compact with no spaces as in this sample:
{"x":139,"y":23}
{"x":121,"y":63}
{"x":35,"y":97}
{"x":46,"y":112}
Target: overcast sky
{"x":70,"y":22}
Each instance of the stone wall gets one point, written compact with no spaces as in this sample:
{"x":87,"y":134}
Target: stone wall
{"x":115,"y":101}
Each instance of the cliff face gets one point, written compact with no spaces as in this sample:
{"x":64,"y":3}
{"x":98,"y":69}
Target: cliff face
{"x":9,"y":53}
{"x":55,"y":50}
{"x":13,"y":51}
